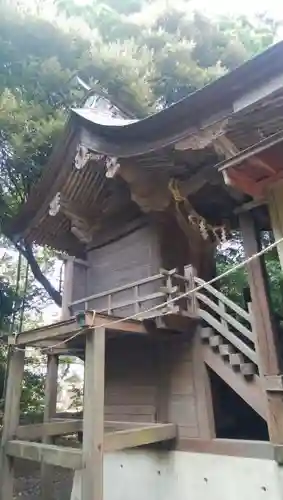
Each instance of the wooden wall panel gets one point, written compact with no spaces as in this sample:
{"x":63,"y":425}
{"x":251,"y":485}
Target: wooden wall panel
{"x":137,"y":390}
{"x":130,"y":380}
{"x":182,"y":396}
{"x":79,"y":282}
{"x":124,"y":261}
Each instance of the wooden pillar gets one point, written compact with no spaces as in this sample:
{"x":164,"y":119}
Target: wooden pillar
{"x":50,"y":403}
{"x":275,"y":205}
{"x":11,"y":420}
{"x":266,"y":344}
{"x":93,"y":424}
{"x":67,"y":287}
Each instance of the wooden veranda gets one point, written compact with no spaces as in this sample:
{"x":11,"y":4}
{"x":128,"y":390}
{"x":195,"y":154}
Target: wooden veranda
{"x":99,"y":436}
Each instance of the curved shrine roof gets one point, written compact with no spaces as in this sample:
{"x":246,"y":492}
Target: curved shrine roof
{"x":245,"y":105}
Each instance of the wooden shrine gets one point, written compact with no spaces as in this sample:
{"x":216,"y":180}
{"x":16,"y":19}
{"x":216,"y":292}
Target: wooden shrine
{"x":183,"y":389}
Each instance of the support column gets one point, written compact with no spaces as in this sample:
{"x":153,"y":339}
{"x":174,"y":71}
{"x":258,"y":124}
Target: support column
{"x":268,"y":361}
{"x":67,"y":287}
{"x":93,"y":424}
{"x":275,"y":205}
{"x":11,"y":420}
{"x":50,"y":403}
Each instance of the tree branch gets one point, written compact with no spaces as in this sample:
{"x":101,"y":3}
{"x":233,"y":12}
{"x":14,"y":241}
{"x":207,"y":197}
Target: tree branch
{"x":26,"y":250}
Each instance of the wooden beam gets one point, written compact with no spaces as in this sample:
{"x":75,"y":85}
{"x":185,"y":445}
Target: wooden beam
{"x":53,"y":428}
{"x":50,"y":405}
{"x":266,"y":347}
{"x":242,"y":182}
{"x":62,"y":330}
{"x":249,"y":205}
{"x":231,"y":447}
{"x":60,"y":456}
{"x":11,"y":420}
{"x":59,"y":330}
{"x":93,"y":423}
{"x":102,"y":320}
{"x":60,"y":427}
{"x":131,"y":438}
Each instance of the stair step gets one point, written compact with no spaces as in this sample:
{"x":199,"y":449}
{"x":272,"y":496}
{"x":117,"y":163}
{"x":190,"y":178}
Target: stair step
{"x":206,"y":333}
{"x":236,"y":360}
{"x":215,"y":341}
{"x":248,"y":369}
{"x":226,"y":349}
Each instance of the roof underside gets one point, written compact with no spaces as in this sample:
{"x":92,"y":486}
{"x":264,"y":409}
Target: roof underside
{"x":246,"y":106}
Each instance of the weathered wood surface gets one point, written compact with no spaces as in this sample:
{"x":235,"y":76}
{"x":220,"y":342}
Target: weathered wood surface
{"x":222,"y":298}
{"x":127,"y":260}
{"x":11,"y":420}
{"x":63,"y":330}
{"x":62,"y":456}
{"x":203,"y":394}
{"x":267,"y":348}
{"x":227,"y":317}
{"x":274,"y":202}
{"x":93,"y":419}
{"x":50,"y":406}
{"x":230,"y":336}
{"x":252,"y":394}
{"x":53,"y":428}
{"x":132,"y":438}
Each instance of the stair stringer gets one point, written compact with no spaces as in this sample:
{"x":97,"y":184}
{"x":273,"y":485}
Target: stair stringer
{"x":250,"y":391}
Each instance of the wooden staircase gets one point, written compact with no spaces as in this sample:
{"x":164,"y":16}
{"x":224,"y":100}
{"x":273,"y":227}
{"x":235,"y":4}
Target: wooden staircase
{"x":229,"y":344}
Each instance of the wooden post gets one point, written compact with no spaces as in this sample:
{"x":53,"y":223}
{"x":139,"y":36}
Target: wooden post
{"x":11,"y":420}
{"x":67,"y":288}
{"x":275,"y":205}
{"x":266,"y":344}
{"x":93,"y":424}
{"x":50,"y":403}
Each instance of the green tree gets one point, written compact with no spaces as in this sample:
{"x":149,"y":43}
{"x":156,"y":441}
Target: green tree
{"x":141,"y":56}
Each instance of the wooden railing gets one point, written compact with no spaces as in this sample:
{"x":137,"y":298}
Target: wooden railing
{"x":231,"y":322}
{"x":141,"y":296}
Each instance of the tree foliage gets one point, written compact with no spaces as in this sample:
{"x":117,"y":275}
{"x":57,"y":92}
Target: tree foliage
{"x":142,"y":54}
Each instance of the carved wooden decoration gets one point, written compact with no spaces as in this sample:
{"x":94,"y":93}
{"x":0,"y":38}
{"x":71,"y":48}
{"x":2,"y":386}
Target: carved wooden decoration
{"x":54,"y":206}
{"x":81,"y":226}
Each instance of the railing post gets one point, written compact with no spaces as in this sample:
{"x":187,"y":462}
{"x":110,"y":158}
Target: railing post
{"x":189,"y":273}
